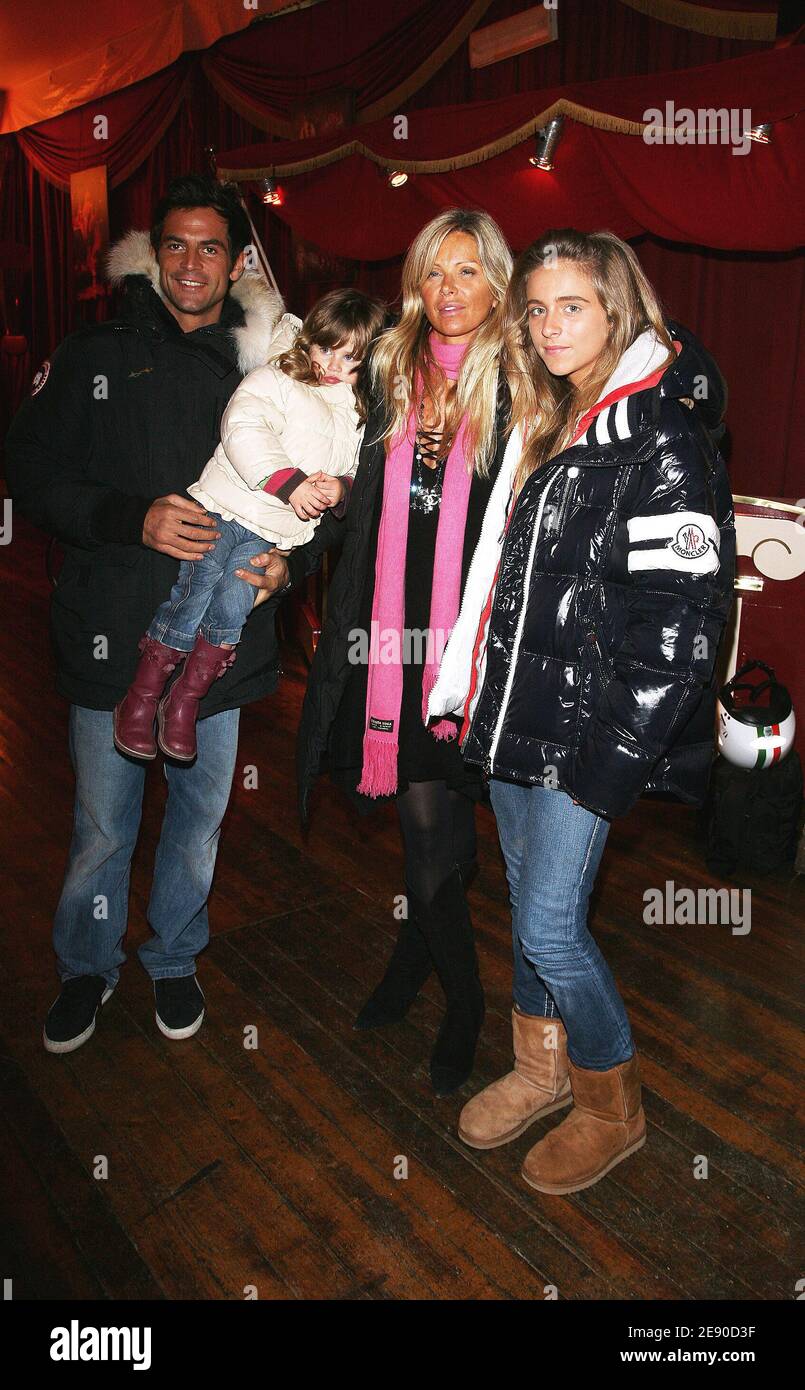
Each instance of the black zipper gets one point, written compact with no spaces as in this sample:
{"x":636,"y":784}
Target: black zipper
{"x":563,"y":505}
{"x":597,"y":655}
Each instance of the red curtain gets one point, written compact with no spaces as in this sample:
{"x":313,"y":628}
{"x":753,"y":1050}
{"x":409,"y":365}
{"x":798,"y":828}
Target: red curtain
{"x":380,"y":53}
{"x":596,"y":38}
{"x":119,"y":131}
{"x":735,"y":196}
{"x":750,"y":312}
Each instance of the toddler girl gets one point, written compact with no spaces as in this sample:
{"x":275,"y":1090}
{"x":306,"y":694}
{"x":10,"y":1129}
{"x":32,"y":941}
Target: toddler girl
{"x":290,"y":439}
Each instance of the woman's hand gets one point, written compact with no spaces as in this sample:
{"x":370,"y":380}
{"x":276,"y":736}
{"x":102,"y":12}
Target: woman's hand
{"x":275,"y":576}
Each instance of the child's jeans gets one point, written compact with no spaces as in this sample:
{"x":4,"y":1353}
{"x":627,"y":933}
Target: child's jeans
{"x":208,"y":597}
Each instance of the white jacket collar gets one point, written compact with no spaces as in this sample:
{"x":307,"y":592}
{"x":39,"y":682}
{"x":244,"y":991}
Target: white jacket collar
{"x":643,"y":357}
{"x":261,"y":305}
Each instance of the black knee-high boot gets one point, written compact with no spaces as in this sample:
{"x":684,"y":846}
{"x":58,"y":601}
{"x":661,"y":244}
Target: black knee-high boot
{"x":409,"y":967}
{"x":445,"y":923}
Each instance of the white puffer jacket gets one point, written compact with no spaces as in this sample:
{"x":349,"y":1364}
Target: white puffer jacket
{"x":273,"y":423}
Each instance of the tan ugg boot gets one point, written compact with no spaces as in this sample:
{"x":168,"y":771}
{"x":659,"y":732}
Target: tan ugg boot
{"x":606,"y":1125}
{"x":538,"y":1085}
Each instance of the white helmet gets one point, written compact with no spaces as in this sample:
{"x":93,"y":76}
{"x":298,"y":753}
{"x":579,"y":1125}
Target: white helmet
{"x":753,"y":735}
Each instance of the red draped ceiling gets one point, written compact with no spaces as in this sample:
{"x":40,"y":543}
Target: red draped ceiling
{"x":382,"y":52}
{"x":337,"y":194}
{"x":745,"y":19}
{"x":747,"y":306}
{"x":261,"y":75}
{"x":136,"y":119}
{"x":97,"y":47}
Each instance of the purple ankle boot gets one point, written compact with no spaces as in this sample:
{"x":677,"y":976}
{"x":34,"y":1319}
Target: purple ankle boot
{"x":177,"y":713}
{"x":133,"y":720}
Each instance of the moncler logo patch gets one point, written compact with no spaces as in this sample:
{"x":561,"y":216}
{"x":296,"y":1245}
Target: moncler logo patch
{"x":40,"y":378}
{"x":690,"y":542}
{"x":683,"y":541}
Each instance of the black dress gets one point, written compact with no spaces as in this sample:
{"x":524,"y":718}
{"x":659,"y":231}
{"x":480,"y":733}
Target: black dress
{"x":421,"y":757}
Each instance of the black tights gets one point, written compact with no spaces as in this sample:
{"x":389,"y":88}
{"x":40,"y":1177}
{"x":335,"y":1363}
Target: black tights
{"x":438,"y":830}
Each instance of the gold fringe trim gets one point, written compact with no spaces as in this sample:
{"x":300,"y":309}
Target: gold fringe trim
{"x":721,"y":24}
{"x":584,"y":114}
{"x":392,"y":100}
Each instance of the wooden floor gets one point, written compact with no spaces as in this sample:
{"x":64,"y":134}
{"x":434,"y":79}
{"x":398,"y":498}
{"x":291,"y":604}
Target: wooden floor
{"x":274,"y":1168}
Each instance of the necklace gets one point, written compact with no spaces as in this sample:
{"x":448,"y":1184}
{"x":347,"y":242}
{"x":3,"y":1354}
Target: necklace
{"x":431,"y":450}
{"x":426,"y":485}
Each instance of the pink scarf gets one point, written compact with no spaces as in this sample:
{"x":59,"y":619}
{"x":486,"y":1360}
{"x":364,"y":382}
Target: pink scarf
{"x":385,"y":677}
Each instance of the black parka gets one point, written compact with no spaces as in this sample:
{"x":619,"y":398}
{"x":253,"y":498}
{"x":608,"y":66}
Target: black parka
{"x":129,"y":411}
{"x":614,"y":588}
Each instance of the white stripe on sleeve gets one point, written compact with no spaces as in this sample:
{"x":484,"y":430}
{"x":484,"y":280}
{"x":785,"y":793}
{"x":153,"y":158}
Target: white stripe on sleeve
{"x":621,"y":421}
{"x":600,"y":428}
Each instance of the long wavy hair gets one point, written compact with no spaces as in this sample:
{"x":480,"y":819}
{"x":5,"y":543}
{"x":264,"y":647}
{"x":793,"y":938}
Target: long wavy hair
{"x":549,"y":407}
{"x":402,"y":351}
{"x":333,"y":320}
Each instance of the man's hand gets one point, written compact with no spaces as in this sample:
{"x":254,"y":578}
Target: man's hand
{"x":275,"y":577}
{"x":310,"y":499}
{"x":179,"y":527}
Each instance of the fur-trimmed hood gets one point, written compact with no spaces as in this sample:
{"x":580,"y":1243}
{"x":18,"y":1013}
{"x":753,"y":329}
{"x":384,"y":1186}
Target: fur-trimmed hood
{"x":265,"y":323}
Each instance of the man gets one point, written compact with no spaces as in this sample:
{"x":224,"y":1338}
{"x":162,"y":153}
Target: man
{"x":119,"y":423}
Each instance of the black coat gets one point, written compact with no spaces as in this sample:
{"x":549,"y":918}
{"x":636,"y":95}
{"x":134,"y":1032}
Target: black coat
{"x":615,"y":584}
{"x":349,"y":601}
{"x":130,"y":411}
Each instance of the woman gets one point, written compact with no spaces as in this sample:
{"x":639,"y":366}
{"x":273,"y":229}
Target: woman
{"x":432,"y":450}
{"x":583,"y":662}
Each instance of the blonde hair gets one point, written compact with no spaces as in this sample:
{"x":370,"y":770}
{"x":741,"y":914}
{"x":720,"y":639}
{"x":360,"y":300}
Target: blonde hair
{"x":403,"y":350}
{"x":333,"y":320}
{"x":548,"y":407}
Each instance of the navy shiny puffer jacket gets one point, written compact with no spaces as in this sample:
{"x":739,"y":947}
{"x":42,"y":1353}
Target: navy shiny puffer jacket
{"x":614,"y":588}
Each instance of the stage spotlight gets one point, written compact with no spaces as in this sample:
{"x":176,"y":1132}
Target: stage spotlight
{"x":760,"y":133}
{"x":269,"y":192}
{"x":397,"y":178}
{"x":547,"y":140}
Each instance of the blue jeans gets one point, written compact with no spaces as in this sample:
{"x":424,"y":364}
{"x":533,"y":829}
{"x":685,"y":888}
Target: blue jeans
{"x":208,"y":597}
{"x":552,"y":850}
{"x":92,"y":915}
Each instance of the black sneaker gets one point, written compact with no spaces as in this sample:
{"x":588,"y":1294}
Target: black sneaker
{"x":71,"y":1019}
{"x":180,"y":1006}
